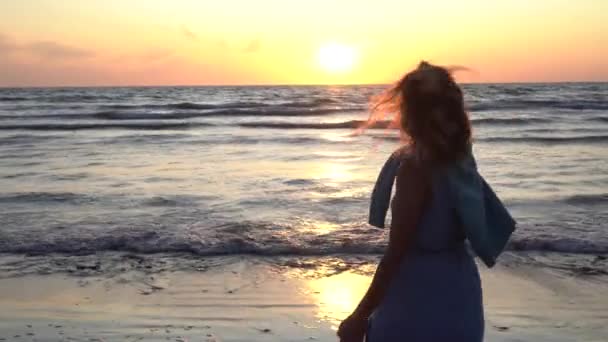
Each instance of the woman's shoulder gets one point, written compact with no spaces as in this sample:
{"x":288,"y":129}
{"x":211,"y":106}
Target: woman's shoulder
{"x":413,"y":181}
{"x":403,"y":152}
{"x":410,"y":161}
{"x":412,"y":171}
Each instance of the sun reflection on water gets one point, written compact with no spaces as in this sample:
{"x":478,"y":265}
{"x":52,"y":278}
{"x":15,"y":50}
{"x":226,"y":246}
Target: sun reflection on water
{"x":318,"y":227}
{"x":333,"y":172}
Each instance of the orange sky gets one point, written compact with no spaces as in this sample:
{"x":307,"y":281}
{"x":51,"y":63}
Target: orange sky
{"x":184,"y":42}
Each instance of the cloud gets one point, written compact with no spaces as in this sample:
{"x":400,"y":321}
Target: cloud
{"x":50,"y":49}
{"x":189,"y":34}
{"x":254,"y":46}
{"x":6,"y":44}
{"x":223,"y":44}
{"x":156,"y":55}
{"x":42,"y":49}
{"x":173,"y":70}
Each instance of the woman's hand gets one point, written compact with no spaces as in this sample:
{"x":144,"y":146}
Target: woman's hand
{"x":353,"y":329}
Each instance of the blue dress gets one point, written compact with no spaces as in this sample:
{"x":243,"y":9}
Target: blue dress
{"x":436,"y":295}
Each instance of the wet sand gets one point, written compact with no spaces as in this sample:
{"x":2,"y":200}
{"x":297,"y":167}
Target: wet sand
{"x":251,"y":300}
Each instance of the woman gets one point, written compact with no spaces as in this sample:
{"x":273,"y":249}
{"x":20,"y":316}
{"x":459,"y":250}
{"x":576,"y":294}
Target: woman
{"x":427,"y":286}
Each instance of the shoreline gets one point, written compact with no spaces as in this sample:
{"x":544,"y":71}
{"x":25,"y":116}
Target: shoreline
{"x":248,"y":299}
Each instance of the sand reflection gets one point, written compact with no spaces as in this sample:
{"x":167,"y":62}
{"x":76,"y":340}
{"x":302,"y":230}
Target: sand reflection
{"x":337,"y":296}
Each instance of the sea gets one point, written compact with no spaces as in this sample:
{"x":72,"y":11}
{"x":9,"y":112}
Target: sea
{"x":165,"y":178}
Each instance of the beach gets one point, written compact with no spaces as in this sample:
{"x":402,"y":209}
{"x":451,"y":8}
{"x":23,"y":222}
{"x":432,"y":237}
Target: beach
{"x":181,"y":171}
{"x":251,"y":299}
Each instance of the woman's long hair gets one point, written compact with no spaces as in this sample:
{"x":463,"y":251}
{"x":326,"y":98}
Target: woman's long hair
{"x":428,"y":106}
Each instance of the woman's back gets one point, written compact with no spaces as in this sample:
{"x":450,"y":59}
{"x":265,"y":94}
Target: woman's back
{"x":436,"y":295}
{"x":439,"y":228}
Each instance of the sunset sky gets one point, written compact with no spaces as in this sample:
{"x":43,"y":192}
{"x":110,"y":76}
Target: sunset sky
{"x":187,"y":42}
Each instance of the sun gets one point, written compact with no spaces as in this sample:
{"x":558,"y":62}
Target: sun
{"x":337,"y":58}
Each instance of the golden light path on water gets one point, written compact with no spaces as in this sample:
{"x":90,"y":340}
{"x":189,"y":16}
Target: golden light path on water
{"x":317,"y":227}
{"x":334,"y":172}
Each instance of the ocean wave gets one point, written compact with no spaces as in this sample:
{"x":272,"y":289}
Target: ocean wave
{"x":587,"y":199}
{"x":103,"y":125}
{"x":280,"y":111}
{"x":117,"y":115}
{"x":174,"y":200}
{"x":518,"y":91}
{"x":229,"y":105}
{"x":599,"y":119}
{"x":39,"y":116}
{"x":272,"y":111}
{"x":285,"y":139}
{"x":586,"y":139}
{"x":500,"y":105}
{"x":321,"y":101}
{"x":45,"y":197}
{"x":250,"y":238}
{"x":386,"y":137}
{"x":13,"y":98}
{"x":300,"y":182}
{"x":76,"y":98}
{"x":21,"y":155}
{"x":125,"y":201}
{"x":179,"y":105}
{"x":150,"y":242}
{"x":19,"y":139}
{"x":286,"y":112}
{"x":351,"y":124}
{"x":237,"y":112}
{"x":558,"y":244}
{"x":113,"y":115}
{"x":508,"y":121}
{"x":555,"y":140}
{"x":58,"y":98}
{"x":247,"y":246}
{"x":106,"y":115}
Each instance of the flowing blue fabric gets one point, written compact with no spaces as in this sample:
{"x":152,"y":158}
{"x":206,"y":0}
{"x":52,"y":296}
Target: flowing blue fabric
{"x":381,"y":195}
{"x":486,"y":222}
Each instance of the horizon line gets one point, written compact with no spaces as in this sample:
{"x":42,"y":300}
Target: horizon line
{"x":279,"y":85}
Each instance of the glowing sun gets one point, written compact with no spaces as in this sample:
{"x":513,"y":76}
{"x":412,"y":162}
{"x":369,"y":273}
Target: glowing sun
{"x":334,"y":57}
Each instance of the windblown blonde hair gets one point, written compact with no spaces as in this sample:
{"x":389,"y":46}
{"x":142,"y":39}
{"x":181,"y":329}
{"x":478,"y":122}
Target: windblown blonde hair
{"x":427,"y":106}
